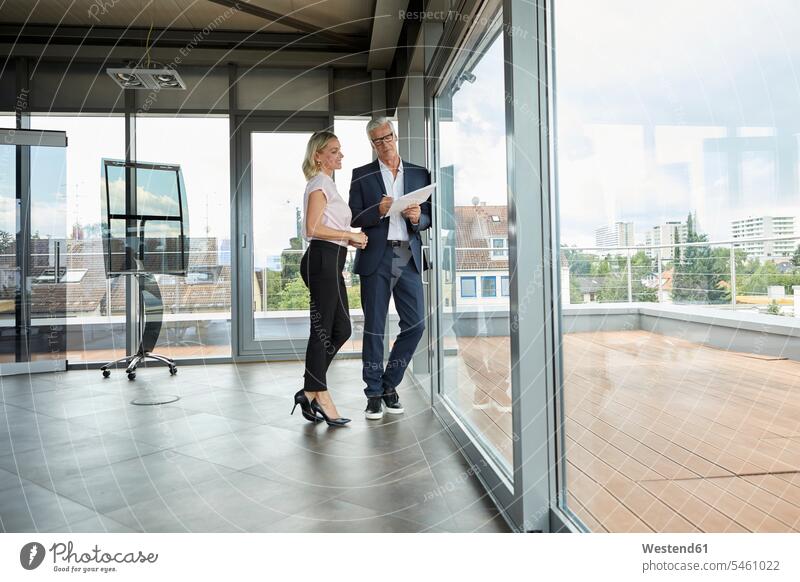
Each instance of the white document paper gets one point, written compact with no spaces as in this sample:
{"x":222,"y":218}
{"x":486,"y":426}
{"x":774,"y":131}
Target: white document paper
{"x":415,"y":197}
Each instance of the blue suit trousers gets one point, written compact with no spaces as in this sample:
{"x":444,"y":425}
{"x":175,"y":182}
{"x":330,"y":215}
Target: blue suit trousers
{"x":396,"y":276}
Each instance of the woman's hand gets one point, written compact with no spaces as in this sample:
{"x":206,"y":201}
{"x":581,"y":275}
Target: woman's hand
{"x":358,"y":240}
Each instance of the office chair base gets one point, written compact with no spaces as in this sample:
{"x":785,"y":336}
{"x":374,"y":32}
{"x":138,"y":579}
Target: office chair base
{"x":131,"y":362}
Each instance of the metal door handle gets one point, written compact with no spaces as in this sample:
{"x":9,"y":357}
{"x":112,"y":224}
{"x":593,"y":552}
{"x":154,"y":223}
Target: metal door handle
{"x":422,"y":258}
{"x":57,"y":246}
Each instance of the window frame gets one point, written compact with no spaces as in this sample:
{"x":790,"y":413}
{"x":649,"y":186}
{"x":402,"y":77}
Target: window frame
{"x":498,"y":253}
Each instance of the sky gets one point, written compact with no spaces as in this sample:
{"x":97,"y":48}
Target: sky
{"x":475,"y":140}
{"x":651,"y":97}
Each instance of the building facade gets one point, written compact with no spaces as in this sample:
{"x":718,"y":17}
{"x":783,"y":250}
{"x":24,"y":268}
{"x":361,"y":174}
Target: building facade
{"x":668,"y":233}
{"x":619,"y":234}
{"x":761,"y":227}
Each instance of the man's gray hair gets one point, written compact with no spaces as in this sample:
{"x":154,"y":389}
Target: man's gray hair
{"x":377,"y":122}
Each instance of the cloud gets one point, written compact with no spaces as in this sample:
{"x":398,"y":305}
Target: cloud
{"x":645,"y":89}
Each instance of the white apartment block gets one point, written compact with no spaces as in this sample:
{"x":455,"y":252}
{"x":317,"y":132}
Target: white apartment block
{"x":619,"y":234}
{"x":761,"y":227}
{"x":668,"y":233}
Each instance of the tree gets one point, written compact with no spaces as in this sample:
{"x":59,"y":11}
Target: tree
{"x":290,"y":259}
{"x":614,"y":289}
{"x":294,"y":295}
{"x":580,"y":264}
{"x":756,"y":282}
{"x":641,"y":267}
{"x":354,"y":297}
{"x":697,"y":276}
{"x":796,"y":257}
{"x":575,"y":295}
{"x":6,"y":241}
{"x":274,"y":289}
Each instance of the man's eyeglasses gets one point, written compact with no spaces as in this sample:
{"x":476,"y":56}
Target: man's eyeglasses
{"x":388,"y":138}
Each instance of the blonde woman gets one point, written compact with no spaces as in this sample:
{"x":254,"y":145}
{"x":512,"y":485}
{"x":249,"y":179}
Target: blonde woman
{"x":326,"y":227}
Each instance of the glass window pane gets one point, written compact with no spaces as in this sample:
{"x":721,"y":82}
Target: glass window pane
{"x":9,"y":278}
{"x":197,"y":307}
{"x":474,"y":225}
{"x":48,"y":295}
{"x":279,"y":295}
{"x":468,"y":287}
{"x":489,"y":286}
{"x":95,"y":306}
{"x":664,"y":155}
{"x":357,"y":151}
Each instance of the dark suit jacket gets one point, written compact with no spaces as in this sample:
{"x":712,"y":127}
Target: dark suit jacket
{"x":366,"y":190}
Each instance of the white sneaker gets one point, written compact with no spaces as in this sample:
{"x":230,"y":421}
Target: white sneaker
{"x":374,"y":409}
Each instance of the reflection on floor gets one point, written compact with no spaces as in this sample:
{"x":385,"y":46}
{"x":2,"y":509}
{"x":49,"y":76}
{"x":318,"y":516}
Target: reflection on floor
{"x":480,"y":389}
{"x":670,"y":436}
{"x":76,"y":456}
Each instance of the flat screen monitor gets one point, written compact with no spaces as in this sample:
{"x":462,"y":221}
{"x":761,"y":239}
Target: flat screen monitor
{"x":149,"y":232}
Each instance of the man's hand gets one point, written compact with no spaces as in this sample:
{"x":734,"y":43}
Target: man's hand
{"x":386,"y":203}
{"x":413,"y":213}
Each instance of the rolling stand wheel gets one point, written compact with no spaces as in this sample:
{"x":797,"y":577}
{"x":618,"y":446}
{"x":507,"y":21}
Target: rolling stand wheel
{"x":173,"y":370}
{"x":131,"y":375}
{"x":106,"y":373}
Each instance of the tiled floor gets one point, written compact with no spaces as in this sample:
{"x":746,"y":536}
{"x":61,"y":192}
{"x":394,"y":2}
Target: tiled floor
{"x":75,"y":455}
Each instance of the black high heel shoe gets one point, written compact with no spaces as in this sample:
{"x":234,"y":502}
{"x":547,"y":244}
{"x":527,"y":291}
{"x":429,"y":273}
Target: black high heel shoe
{"x":341,"y":421}
{"x":305,"y":407}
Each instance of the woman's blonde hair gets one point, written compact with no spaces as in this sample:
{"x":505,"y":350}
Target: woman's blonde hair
{"x":316,"y":143}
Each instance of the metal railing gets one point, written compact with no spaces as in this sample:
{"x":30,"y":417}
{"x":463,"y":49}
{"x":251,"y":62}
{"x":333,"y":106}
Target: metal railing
{"x":676,"y":273}
{"x":692,"y":264}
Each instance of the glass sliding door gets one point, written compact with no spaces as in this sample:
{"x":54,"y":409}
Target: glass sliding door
{"x":472,"y":248}
{"x":273,"y":301}
{"x":33,"y":299}
{"x":495,"y":349}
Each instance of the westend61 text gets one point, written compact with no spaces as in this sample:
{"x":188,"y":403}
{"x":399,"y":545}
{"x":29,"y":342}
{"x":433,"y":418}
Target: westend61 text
{"x":669,"y":549}
{"x":97,"y":556}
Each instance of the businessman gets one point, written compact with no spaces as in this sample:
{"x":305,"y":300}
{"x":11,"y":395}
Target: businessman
{"x":390,"y":266}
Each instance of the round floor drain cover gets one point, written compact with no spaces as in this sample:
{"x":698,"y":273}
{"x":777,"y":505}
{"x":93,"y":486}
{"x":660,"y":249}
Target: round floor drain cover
{"x":155,"y":400}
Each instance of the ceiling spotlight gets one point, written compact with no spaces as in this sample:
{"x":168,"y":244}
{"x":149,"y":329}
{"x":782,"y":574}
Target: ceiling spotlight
{"x":127,"y":80}
{"x":137,"y":77}
{"x":168,"y":80}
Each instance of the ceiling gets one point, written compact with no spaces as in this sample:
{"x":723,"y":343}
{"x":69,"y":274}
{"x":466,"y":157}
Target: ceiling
{"x":293,"y":33}
{"x":350,"y":17}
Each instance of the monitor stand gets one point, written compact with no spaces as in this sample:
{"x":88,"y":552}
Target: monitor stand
{"x":151,"y":313}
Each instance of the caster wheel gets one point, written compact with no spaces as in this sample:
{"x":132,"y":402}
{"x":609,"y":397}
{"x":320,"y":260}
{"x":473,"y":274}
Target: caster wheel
{"x":131,"y":375}
{"x":106,"y":373}
{"x":173,"y":370}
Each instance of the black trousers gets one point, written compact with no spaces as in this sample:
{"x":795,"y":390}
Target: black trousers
{"x":321,"y":269}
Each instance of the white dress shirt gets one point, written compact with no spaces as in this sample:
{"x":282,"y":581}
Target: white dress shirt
{"x":395,"y":189}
